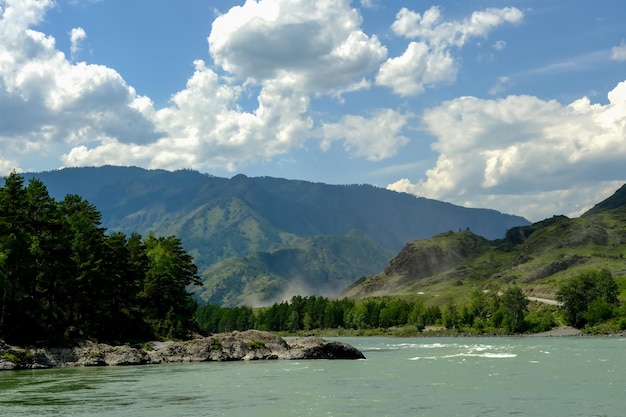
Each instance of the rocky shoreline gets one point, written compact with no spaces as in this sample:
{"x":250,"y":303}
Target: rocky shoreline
{"x":235,"y":346}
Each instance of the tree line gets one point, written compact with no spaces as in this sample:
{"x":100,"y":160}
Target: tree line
{"x":588,"y":299}
{"x":487,"y":312}
{"x":63,"y":277}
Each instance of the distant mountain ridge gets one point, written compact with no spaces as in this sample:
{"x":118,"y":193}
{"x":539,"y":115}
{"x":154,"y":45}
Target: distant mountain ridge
{"x":219,"y":218}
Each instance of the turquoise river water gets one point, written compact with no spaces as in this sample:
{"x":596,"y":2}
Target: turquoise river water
{"x":443,"y":377}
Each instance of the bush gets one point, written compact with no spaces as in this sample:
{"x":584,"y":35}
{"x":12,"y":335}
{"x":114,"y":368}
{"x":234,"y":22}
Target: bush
{"x":257,"y":344}
{"x":542,"y":321}
{"x":599,"y":310}
{"x":216,"y":344}
{"x":11,"y":358}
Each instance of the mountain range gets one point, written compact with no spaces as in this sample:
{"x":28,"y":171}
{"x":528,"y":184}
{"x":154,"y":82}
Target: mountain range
{"x":258,"y":239}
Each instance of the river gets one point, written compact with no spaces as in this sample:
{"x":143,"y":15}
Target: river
{"x":435,"y":377}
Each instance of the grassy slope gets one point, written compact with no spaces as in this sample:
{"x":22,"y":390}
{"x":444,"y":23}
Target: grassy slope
{"x":537,"y":257}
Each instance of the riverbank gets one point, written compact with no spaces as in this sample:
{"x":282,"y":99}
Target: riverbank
{"x":440,"y":331}
{"x":235,"y":346}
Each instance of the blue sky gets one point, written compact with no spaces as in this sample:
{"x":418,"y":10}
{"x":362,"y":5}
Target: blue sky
{"x":514,"y":105}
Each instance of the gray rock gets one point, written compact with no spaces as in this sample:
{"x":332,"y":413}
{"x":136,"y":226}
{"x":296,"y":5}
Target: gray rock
{"x":317,"y":348}
{"x":235,"y":346}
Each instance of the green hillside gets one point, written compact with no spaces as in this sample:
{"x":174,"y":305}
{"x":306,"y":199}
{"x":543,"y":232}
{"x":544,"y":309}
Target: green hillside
{"x":538,"y":257}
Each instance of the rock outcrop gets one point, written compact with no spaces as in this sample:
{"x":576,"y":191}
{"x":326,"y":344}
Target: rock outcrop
{"x":235,"y":346}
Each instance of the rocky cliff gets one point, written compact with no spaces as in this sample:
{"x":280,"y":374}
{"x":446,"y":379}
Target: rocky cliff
{"x":236,"y":346}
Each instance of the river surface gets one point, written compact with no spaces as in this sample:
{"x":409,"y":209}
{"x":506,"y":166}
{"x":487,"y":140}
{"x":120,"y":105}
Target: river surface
{"x":442,"y":377}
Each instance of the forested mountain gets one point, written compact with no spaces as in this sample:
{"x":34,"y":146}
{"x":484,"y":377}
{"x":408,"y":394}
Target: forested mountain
{"x":538,"y":257}
{"x":322,"y":265}
{"x":219,"y":218}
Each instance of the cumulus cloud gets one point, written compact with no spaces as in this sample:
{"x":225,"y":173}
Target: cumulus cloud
{"x":618,"y":53}
{"x":7,"y":166}
{"x":376,"y":137}
{"x":290,"y":50}
{"x":77,"y":36}
{"x":319,"y":44}
{"x":206,"y":128}
{"x":46,"y":101}
{"x":491,"y":149}
{"x":418,"y":66}
{"x":428,"y":60}
{"x":286,"y":51}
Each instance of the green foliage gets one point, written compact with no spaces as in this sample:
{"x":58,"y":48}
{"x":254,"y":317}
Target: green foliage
{"x":514,"y":305}
{"x":63,"y":278}
{"x":488,"y":312}
{"x":451,"y":319}
{"x":11,"y":358}
{"x":540,"y":321}
{"x":257,"y":344}
{"x":216,"y":344}
{"x":599,"y":310}
{"x":589,"y":298}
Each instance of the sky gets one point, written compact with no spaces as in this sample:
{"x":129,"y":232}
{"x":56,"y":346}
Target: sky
{"x":514,"y":105}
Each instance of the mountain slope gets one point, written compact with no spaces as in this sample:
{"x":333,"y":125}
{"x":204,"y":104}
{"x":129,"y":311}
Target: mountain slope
{"x":321,"y":265}
{"x":538,"y":257}
{"x":218,"y":218}
{"x":618,"y":199}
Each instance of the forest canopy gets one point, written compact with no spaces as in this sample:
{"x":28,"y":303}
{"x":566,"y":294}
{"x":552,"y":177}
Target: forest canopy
{"x":62,"y":277}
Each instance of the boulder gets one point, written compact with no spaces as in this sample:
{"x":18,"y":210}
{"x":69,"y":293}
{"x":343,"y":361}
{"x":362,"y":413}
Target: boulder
{"x":313,"y":347}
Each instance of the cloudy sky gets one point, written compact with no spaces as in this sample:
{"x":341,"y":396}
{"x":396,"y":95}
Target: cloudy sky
{"x":516,"y":105}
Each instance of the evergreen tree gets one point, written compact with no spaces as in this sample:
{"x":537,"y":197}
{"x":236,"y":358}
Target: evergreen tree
{"x":170,"y":271}
{"x":61,"y":276}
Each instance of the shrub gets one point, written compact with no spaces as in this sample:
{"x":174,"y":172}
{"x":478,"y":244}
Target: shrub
{"x":216,"y":344}
{"x":257,"y":344}
{"x":11,"y":357}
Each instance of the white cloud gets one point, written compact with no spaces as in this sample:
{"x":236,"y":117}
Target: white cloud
{"x":376,"y":137}
{"x":429,"y":60}
{"x":46,"y":101}
{"x":89,"y":114}
{"x":499,"y":45}
{"x":77,"y":36}
{"x":501,"y":85}
{"x":7,"y":165}
{"x":418,"y":66}
{"x":618,"y":53}
{"x":317,"y":44}
{"x":430,"y":27}
{"x":368,"y":4}
{"x":206,"y":128}
{"x":19,"y":14}
{"x":521,"y":145}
